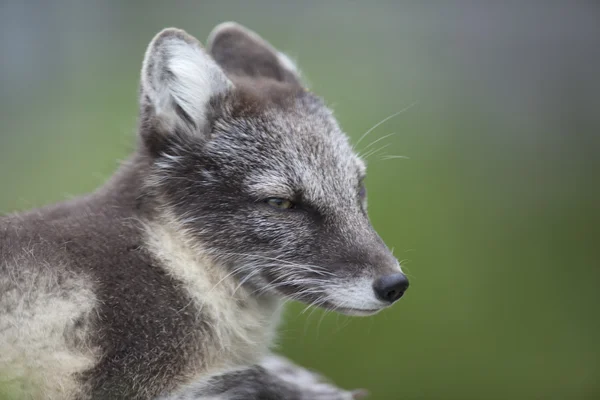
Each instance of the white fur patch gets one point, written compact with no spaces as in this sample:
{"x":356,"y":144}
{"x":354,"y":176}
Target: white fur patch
{"x":355,"y":297}
{"x":37,"y":356}
{"x":244,"y":324}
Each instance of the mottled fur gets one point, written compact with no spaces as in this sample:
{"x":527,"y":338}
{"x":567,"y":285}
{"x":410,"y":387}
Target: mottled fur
{"x":169,"y":279}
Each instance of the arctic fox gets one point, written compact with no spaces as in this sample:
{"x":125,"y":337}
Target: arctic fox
{"x":168,"y":281}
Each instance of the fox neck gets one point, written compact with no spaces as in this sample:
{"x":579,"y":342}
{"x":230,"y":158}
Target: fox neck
{"x":243,"y":323}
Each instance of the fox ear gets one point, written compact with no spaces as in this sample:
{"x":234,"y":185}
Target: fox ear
{"x":179,"y":78}
{"x":242,"y":52}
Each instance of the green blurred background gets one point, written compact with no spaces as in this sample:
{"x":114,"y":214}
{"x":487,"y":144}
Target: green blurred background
{"x":496,"y":213}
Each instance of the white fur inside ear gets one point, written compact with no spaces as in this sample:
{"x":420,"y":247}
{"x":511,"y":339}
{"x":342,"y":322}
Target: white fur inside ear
{"x":177,"y":72}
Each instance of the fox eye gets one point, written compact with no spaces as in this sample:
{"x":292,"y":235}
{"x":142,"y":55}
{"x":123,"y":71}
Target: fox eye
{"x":277,"y":202}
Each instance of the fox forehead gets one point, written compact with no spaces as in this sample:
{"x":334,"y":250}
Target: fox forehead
{"x":282,"y":151}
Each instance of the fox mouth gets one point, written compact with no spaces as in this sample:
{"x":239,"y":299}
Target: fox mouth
{"x":356,"y":312}
{"x":332,"y":306}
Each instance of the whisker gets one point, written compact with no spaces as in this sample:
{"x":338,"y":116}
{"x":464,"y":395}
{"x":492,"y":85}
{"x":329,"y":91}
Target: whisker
{"x":321,"y":321}
{"x":406,"y":271}
{"x":372,"y":151}
{"x":234,"y":271}
{"x":244,"y":280}
{"x":378,"y":140}
{"x":316,"y":306}
{"x":393,"y":157}
{"x":309,"y":267}
{"x":385,"y":120}
{"x":345,"y":323}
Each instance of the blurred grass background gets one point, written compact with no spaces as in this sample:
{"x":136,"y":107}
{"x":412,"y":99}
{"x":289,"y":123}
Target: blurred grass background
{"x":496,"y":213}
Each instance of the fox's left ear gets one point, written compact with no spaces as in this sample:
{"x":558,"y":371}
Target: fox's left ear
{"x":242,"y":52}
{"x":179,"y":78}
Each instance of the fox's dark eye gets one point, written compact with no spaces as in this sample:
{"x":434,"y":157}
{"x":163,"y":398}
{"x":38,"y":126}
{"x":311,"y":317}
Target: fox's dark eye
{"x":280,"y":203}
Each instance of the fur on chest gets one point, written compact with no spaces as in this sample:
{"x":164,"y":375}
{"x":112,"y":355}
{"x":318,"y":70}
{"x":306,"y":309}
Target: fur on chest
{"x":240,"y":325}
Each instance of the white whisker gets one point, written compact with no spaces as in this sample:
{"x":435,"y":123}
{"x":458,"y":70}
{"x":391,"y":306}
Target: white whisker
{"x":378,"y":140}
{"x":308,"y":267}
{"x":385,"y":120}
{"x":393,"y":157}
{"x":374,"y":151}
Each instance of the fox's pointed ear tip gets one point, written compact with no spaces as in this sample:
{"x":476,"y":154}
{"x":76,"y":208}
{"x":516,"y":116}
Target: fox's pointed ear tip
{"x":162,"y":38}
{"x":230,"y":26}
{"x":172,"y":33}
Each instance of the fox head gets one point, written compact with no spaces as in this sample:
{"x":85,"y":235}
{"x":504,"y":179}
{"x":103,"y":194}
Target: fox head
{"x":257,"y":171}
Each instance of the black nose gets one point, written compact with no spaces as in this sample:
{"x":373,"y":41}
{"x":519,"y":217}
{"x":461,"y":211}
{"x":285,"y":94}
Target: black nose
{"x":390,"y":287}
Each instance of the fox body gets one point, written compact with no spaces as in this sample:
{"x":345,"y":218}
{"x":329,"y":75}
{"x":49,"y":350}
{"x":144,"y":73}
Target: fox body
{"x":167,"y":282}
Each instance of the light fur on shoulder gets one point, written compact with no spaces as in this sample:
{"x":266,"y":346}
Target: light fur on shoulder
{"x":44,"y":332}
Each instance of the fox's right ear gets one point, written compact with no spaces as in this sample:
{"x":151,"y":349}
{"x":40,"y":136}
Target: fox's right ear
{"x":179,"y":78}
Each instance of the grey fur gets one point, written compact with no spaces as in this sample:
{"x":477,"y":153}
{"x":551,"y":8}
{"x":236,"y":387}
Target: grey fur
{"x":168,"y":280}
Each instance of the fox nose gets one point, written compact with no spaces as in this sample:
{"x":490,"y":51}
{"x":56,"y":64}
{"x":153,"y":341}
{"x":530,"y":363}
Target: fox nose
{"x":390,"y":288}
